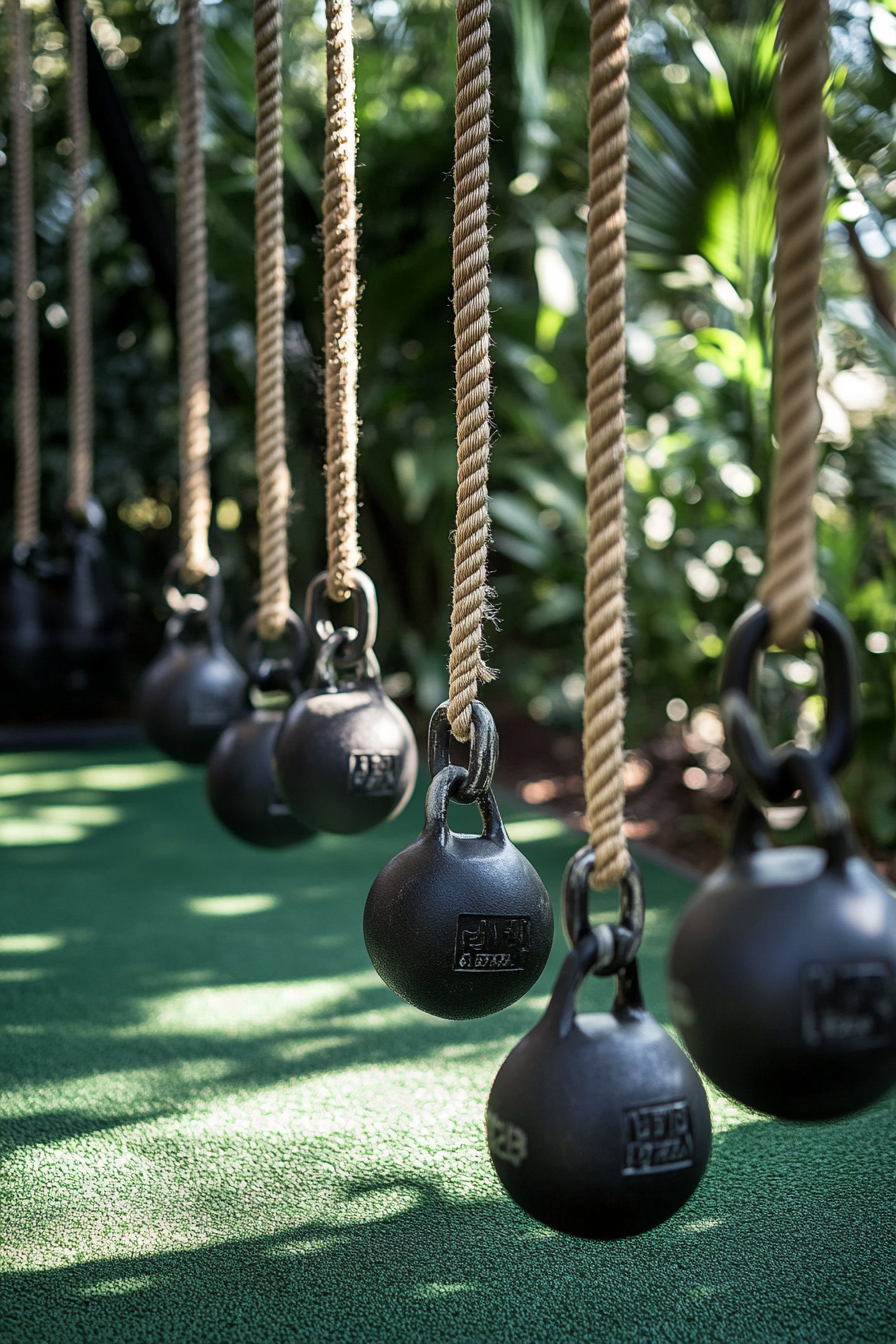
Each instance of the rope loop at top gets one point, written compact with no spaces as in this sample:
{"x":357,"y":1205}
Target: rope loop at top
{"x":789,"y":586}
{"x":192,"y":302}
{"x":472,"y":325}
{"x":274,"y":484}
{"x":340,"y":227}
{"x":604,"y":709}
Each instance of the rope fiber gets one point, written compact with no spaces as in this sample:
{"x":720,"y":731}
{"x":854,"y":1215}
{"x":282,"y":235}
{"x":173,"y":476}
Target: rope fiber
{"x":274,"y":486}
{"x":80,"y":464}
{"x":192,"y":304}
{"x":340,"y":228}
{"x":27,"y":490}
{"x":604,"y":709}
{"x":472,"y":324}
{"x":789,"y":587}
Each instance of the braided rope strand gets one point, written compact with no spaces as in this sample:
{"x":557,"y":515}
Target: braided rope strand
{"x":192,"y":303}
{"x":274,"y":486}
{"x":27,"y":493}
{"x":789,"y":587}
{"x":81,"y":428}
{"x":472,"y":326}
{"x":340,"y":227}
{"x":604,"y":710}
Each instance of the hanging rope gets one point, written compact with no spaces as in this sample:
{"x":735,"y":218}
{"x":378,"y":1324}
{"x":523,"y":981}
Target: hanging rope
{"x":274,"y":487}
{"x":192,"y":303}
{"x":604,"y":710}
{"x":340,"y":304}
{"x":80,"y":462}
{"x":472,"y":122}
{"x":27,"y":500}
{"x":789,"y":587}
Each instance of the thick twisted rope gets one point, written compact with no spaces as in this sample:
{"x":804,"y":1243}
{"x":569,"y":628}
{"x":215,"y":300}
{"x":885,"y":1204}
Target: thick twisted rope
{"x":789,"y":587}
{"x":27,"y":500}
{"x":340,"y":221}
{"x":472,"y":122}
{"x":604,"y":710}
{"x":192,"y":303}
{"x":80,"y":456}
{"x":274,"y":486}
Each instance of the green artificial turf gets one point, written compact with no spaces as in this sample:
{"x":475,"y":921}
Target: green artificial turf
{"x":221,"y":1126}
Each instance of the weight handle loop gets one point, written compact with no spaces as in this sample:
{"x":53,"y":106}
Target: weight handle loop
{"x":604,"y":709}
{"x":361,"y":636}
{"x":329,"y":662}
{"x":595,"y":954}
{"x":274,"y":483}
{"x":447,"y":786}
{"x":765,"y":773}
{"x":472,"y":341}
{"x":577,"y":925}
{"x":192,"y":302}
{"x":25,"y":357}
{"x":789,"y":583}
{"x":80,"y":342}
{"x":483,"y":759}
{"x":340,"y":229}
{"x":267,"y":672}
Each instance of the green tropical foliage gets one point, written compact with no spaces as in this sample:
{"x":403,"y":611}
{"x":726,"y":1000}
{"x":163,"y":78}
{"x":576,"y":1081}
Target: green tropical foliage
{"x":701,"y":237}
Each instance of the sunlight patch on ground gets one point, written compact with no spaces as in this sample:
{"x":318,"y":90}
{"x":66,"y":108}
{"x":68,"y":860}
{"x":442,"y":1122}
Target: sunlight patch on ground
{"x":61,"y":825}
{"x":108,"y":778}
{"x":17,"y":943}
{"x":20,"y":975}
{"x":118,"y":1286}
{"x":234,"y":1010}
{"x":223,"y":906}
{"x":536,"y":828}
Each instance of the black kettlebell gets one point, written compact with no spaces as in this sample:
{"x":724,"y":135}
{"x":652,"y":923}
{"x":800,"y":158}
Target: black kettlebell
{"x":194,"y":688}
{"x":459,"y":925}
{"x":239,"y":780}
{"x":91,"y":628}
{"x":782,"y":975}
{"x":29,"y":660}
{"x":345,"y":758}
{"x":598,"y":1125}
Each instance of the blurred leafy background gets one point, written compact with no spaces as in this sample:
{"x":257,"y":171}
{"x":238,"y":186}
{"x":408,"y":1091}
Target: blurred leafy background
{"x":701,"y":242}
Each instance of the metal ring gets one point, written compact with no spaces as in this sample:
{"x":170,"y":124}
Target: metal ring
{"x":327,"y":663}
{"x":269,"y":673}
{"x":577,"y":924}
{"x":361,"y":635}
{"x":483,"y":750}
{"x":766,"y":771}
{"x":187,"y":604}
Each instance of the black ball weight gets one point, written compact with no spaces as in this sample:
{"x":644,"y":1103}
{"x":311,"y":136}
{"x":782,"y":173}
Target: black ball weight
{"x":188,"y":696}
{"x":240,"y":784}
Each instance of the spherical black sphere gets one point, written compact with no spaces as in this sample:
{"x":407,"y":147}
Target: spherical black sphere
{"x":458,"y":925}
{"x":188,"y":696}
{"x":240,"y":784}
{"x":345,"y":759}
{"x":598,"y":1126}
{"x":782,"y":980}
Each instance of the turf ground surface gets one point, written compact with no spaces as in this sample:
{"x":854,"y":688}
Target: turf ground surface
{"x":221,"y":1127}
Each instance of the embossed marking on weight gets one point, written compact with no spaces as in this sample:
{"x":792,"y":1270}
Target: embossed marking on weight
{"x":491,"y":942}
{"x":851,"y":1005}
{"x":506,"y":1141}
{"x":658,"y":1138}
{"x":372,"y":773}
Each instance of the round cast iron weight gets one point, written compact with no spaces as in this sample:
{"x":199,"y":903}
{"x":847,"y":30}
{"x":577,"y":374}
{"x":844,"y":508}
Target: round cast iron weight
{"x":91,"y":623}
{"x":361,"y":636}
{"x":29,"y":662}
{"x":483,"y":750}
{"x":765,"y":772}
{"x":628,"y":933}
{"x":192,"y":690}
{"x":241,"y":788}
{"x":345,"y":758}
{"x":598,"y":1125}
{"x":782,"y":975}
{"x":459,"y":925}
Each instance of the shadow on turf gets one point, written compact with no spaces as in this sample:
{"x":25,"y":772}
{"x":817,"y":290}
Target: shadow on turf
{"x":751,"y":1258}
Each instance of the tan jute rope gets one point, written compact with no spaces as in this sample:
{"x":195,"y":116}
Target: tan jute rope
{"x":27,"y":493}
{"x":80,"y":458}
{"x":274,"y":486}
{"x":340,"y":227}
{"x":192,"y":302}
{"x":789,"y":586}
{"x":604,"y":710}
{"x":472,"y":126}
